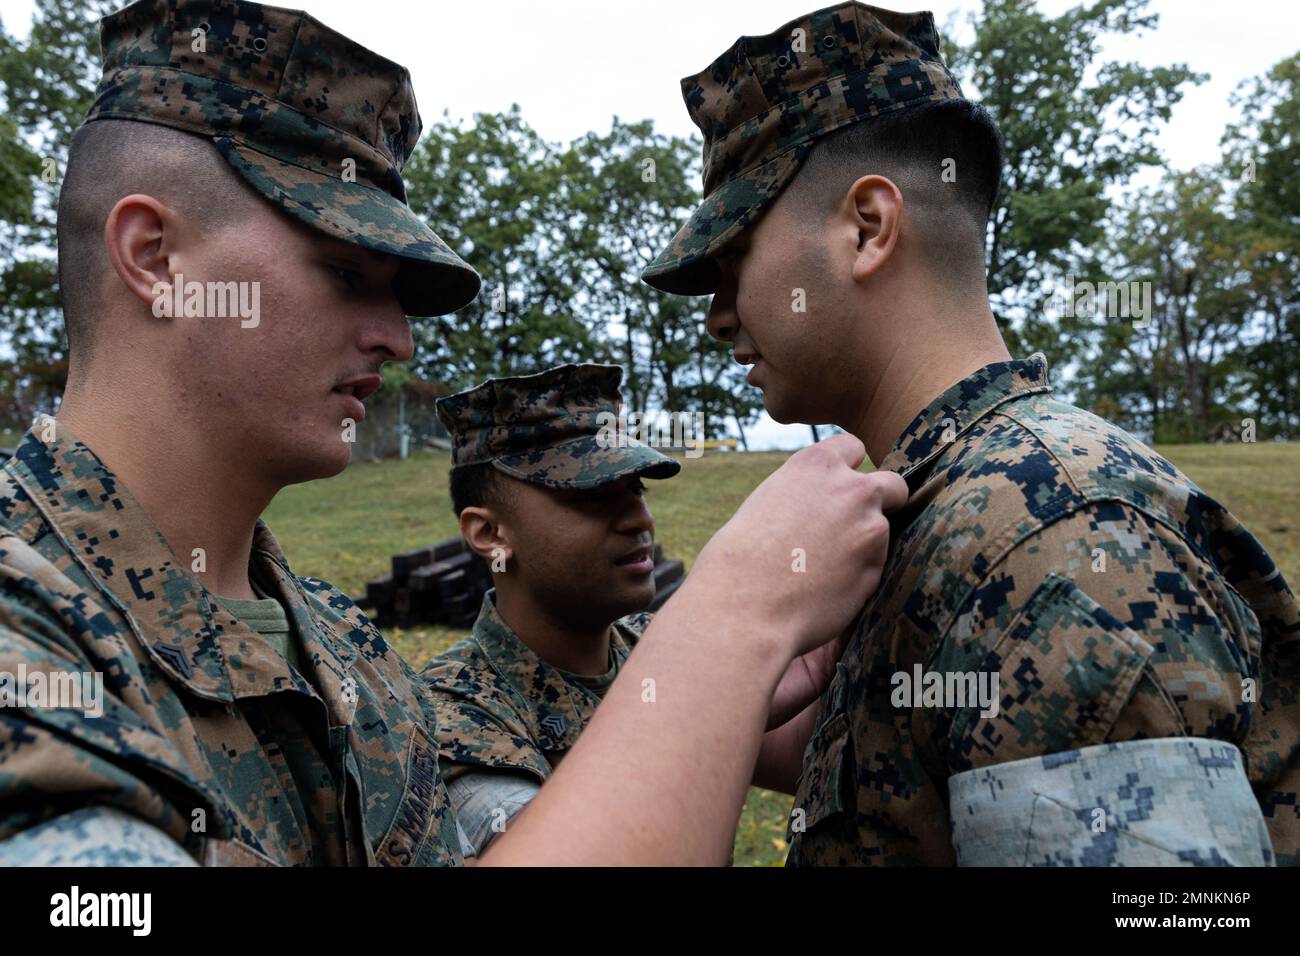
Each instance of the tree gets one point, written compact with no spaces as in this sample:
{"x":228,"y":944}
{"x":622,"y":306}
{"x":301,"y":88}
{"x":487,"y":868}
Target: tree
{"x":1173,"y":376}
{"x":1072,"y":129}
{"x":628,"y":192}
{"x":560,"y":236}
{"x":1262,"y":154}
{"x":47,"y":85}
{"x":491,"y":189}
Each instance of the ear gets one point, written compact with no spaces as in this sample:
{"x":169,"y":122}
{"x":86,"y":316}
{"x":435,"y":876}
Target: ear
{"x":484,"y":534}
{"x":139,"y":236}
{"x":875,"y":206}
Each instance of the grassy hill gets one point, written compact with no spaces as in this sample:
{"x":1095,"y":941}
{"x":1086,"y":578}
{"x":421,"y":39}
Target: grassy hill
{"x":346,"y":529}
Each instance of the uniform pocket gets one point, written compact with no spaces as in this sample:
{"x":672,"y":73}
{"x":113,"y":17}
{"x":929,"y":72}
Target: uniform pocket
{"x":1065,"y":668}
{"x":823,"y":790}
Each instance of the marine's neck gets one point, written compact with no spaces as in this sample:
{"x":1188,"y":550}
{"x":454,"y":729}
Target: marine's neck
{"x":205,"y":505}
{"x":576,"y":648}
{"x":906,"y":373}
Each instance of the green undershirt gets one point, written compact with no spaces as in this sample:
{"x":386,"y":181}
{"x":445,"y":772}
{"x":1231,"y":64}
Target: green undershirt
{"x":597,"y":684}
{"x":267,"y":617}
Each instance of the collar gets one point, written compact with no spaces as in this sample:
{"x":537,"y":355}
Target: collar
{"x":960,"y":407}
{"x":557,"y":710}
{"x":185,"y":632}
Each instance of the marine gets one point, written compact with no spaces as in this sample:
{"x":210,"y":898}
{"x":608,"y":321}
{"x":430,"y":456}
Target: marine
{"x":253,"y":716}
{"x":554,"y":501}
{"x":1145,"y":646}
{"x":552,"y":498}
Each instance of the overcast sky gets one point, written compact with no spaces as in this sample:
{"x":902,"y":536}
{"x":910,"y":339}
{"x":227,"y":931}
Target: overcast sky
{"x":573,"y":64}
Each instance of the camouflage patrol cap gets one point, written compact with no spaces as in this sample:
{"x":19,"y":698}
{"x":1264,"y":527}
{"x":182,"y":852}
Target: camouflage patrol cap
{"x":550,"y":429}
{"x":317,"y":124}
{"x":764,"y":103}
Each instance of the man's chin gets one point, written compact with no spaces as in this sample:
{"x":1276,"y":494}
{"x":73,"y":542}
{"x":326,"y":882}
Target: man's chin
{"x":629,"y":599}
{"x":791,"y":413}
{"x":781,"y":412}
{"x":312,"y":464}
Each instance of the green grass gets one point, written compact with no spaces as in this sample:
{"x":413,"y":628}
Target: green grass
{"x":1260,"y":484}
{"x":346,"y":529}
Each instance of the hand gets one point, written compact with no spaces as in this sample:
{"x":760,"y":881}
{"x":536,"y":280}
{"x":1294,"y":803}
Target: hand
{"x":805,"y":680}
{"x":804,"y":552}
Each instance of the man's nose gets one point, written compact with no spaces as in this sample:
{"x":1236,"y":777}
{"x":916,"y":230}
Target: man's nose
{"x":388,"y":332}
{"x":636,"y":518}
{"x":723,"y":320}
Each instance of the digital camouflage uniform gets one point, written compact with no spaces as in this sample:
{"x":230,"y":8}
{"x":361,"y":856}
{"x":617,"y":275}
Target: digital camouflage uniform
{"x":505,"y":715}
{"x":501,"y":707}
{"x":1114,"y":600}
{"x":211,"y":748}
{"x":207,"y":734}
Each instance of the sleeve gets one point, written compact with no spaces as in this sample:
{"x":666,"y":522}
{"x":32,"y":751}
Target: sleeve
{"x":1105,"y":627}
{"x":478,"y":726}
{"x":485,"y":802}
{"x":1101,"y":627}
{"x":93,"y":836}
{"x":92,"y":748}
{"x":1174,"y":801}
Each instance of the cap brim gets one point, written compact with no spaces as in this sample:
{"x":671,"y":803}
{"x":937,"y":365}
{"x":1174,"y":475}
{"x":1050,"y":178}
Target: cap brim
{"x":687,"y":266}
{"x":432,"y":280}
{"x":587,"y":462}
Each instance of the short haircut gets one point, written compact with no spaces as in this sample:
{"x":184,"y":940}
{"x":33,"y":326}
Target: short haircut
{"x":110,"y":159}
{"x":476,"y":486}
{"x":914,"y":147}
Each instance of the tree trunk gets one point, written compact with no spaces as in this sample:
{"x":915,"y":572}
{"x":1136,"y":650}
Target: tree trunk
{"x":744,"y":442}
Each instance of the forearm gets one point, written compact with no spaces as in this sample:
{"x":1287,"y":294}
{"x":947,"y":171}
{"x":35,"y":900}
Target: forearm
{"x":660,"y":774}
{"x":780,"y":758}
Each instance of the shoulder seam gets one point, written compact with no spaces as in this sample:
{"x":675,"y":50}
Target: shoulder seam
{"x":1026,"y":538}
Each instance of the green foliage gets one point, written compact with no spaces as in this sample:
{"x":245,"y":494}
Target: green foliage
{"x":1169,"y":377}
{"x":1073,"y":127}
{"x":1262,"y":155}
{"x":47,"y":84}
{"x":1221,"y":248}
{"x":492,"y":187}
{"x":629,"y":192}
{"x":560,"y":236}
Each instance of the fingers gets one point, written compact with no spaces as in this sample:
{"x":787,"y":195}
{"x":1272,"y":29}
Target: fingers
{"x":885,"y":488}
{"x":888,"y":489}
{"x":848,"y":448}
